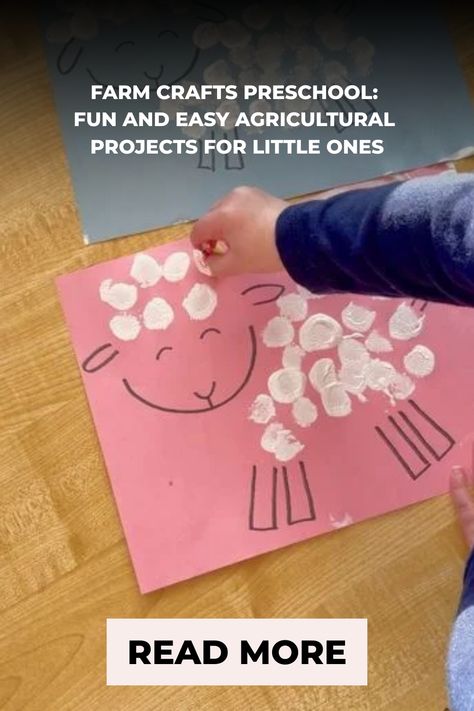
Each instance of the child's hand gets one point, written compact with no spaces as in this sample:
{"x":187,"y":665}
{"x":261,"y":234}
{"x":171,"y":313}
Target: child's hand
{"x":463,"y":503}
{"x":245,"y":221}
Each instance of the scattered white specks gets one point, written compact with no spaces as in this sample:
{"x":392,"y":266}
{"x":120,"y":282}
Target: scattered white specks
{"x":304,"y":412}
{"x":420,"y":361}
{"x":176,"y":266}
{"x":205,"y":35}
{"x":233,"y":34}
{"x":320,"y":332}
{"x":292,"y":356}
{"x":120,"y":296}
{"x":293,"y":306}
{"x":336,"y":401}
{"x":353,"y":376}
{"x":280,"y":442}
{"x":357,"y":318}
{"x":262,"y":409}
{"x":199,"y":262}
{"x":405,"y":323}
{"x":145,"y":270}
{"x":346,"y":520}
{"x":286,"y":385}
{"x":322,"y":374}
{"x":376,"y":343}
{"x":157,"y":314}
{"x":125,"y":326}
{"x":380,"y":374}
{"x":200,"y":302}
{"x":351,"y":351}
{"x":278,"y":332}
{"x":401,"y":387}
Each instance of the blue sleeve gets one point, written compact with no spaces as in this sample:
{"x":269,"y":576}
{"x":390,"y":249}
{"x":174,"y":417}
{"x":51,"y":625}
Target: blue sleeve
{"x":402,"y":239}
{"x":460,"y":666}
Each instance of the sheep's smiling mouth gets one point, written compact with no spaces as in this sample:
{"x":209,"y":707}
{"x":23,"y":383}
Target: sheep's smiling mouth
{"x":210,"y":406}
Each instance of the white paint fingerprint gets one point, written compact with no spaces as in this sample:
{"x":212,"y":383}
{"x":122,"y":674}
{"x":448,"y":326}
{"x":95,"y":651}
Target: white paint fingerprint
{"x":320,"y":332}
{"x":218,"y":73}
{"x":199,"y":262}
{"x":200,"y":302}
{"x":145,"y":270}
{"x":346,"y":520}
{"x":176,"y":266}
{"x":380,"y":374}
{"x":336,"y":401}
{"x":157,"y":314}
{"x":350,"y":350}
{"x":233,"y":34}
{"x":125,"y":326}
{"x":334,"y":72}
{"x":243,"y":56}
{"x":304,"y":412}
{"x":420,"y":361}
{"x":233,"y":109}
{"x":401,"y":387}
{"x":120,"y":296}
{"x":353,"y":376}
{"x":194,"y":131}
{"x":292,"y":356}
{"x":287,"y":384}
{"x":205,"y":35}
{"x":293,"y":306}
{"x":278,"y":332}
{"x":405,"y":323}
{"x":257,"y":16}
{"x":377,"y":343}
{"x":362,"y":53}
{"x":357,"y":318}
{"x":322,"y":374}
{"x":262,"y":409}
{"x":280,"y":441}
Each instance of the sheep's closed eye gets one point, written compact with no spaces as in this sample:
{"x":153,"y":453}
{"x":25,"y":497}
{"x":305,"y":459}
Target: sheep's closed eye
{"x":209,"y":330}
{"x":167,"y":32}
{"x":126,"y":43}
{"x":162,"y":350}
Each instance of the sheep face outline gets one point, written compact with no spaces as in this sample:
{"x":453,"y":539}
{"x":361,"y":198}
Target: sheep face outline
{"x":106,"y":353}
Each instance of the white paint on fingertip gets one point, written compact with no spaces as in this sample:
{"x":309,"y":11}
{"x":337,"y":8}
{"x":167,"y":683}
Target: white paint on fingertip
{"x":200,"y":263}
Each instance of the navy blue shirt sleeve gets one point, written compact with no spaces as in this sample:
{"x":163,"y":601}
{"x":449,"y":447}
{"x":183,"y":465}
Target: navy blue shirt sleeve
{"x":414,"y":238}
{"x":460,"y":663}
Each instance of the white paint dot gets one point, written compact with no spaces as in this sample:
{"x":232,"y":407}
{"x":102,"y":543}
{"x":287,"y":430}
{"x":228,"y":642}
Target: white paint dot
{"x":380,"y":374}
{"x":401,"y":386}
{"x":125,"y":327}
{"x":281,"y":442}
{"x":293,"y":306}
{"x":145,"y":270}
{"x":218,"y":73}
{"x":292,"y":356}
{"x":205,"y":35}
{"x":405,"y":323}
{"x":336,"y":401}
{"x":157,"y":314}
{"x":176,"y":266}
{"x":420,"y":361}
{"x":200,"y":263}
{"x":357,"y":318}
{"x":353,"y":376}
{"x":243,"y":56}
{"x":262,"y":409}
{"x":278,"y":332}
{"x":200,"y":302}
{"x":322,"y":374}
{"x":376,"y":343}
{"x":120,"y":296}
{"x":319,"y":332}
{"x":286,"y":385}
{"x":352,"y":351}
{"x":304,"y":412}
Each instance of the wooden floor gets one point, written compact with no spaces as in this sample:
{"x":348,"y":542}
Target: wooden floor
{"x":64,"y":566}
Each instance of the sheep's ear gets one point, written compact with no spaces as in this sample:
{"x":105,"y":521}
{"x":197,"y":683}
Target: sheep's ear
{"x":263,"y":293}
{"x":99,"y":358}
{"x":69,"y":56}
{"x":208,"y":12}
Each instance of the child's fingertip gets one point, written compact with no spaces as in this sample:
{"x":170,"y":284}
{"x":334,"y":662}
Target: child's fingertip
{"x":457,"y":475}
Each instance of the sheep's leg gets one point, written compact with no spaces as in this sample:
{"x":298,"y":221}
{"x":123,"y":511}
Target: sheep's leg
{"x":298,"y":496}
{"x":263,"y":500}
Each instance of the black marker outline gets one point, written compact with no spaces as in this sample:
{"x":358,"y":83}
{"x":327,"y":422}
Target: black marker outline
{"x":85,"y":363}
{"x":280,"y":287}
{"x":309,"y":496}
{"x":253,"y":486}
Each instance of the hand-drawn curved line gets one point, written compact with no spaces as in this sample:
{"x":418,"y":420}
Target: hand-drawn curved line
{"x":221,"y":16}
{"x":168,"y":32}
{"x":253,"y":486}
{"x":102,"y":364}
{"x":309,"y":497}
{"x":162,"y":350}
{"x":189,"y":69}
{"x":62,"y":53}
{"x":122,"y":44}
{"x":209,"y":394}
{"x":240,"y":159}
{"x":209,"y":330}
{"x":155,"y":406}
{"x":280,"y":288}
{"x":154,"y":78}
{"x":412,"y":474}
{"x":451,"y":442}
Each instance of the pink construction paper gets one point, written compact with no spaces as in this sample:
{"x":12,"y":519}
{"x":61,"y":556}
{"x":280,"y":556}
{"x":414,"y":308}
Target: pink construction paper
{"x":194,"y":488}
